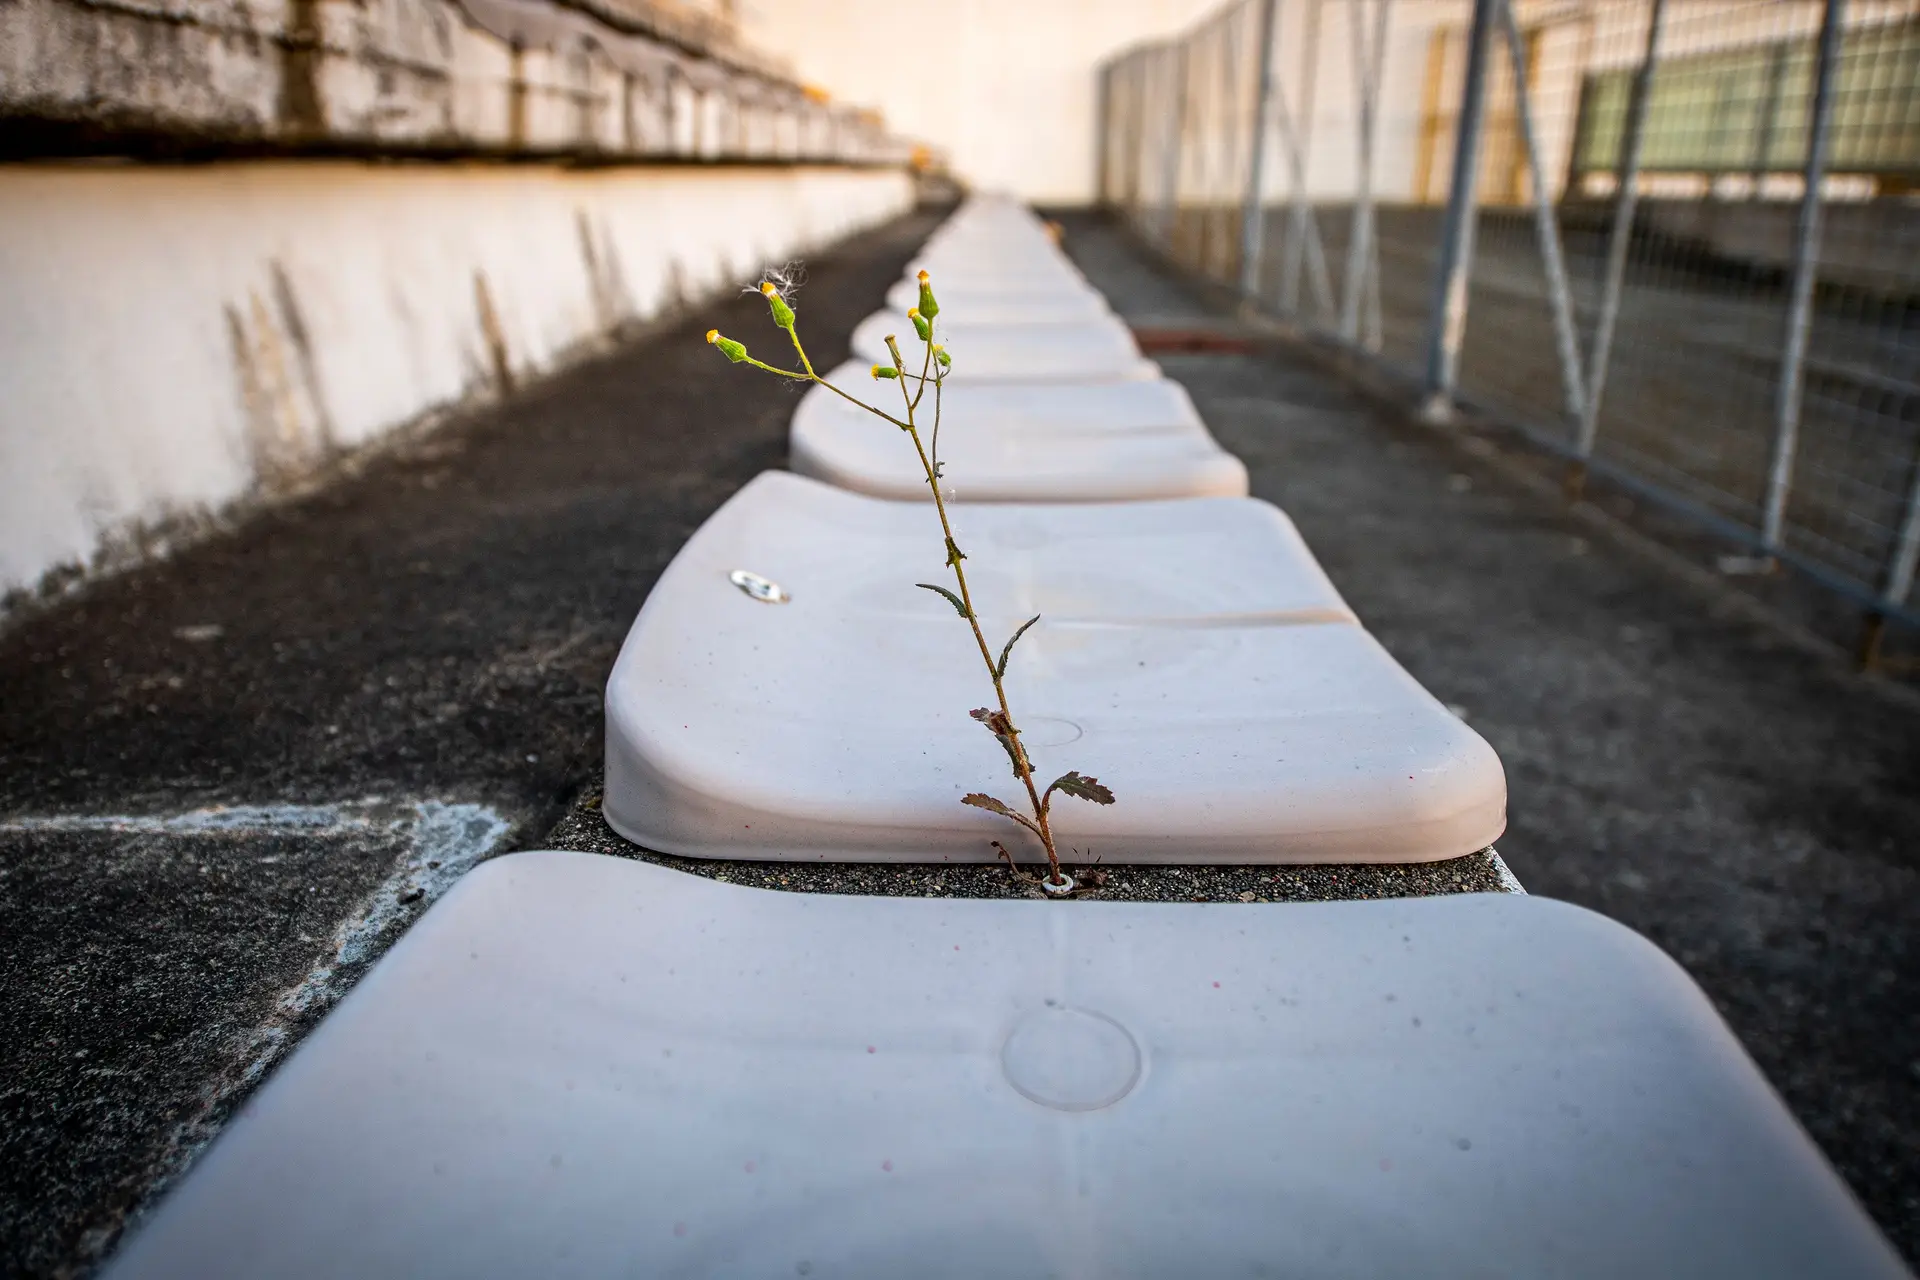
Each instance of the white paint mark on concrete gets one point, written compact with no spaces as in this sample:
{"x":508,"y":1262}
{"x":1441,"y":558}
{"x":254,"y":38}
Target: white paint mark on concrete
{"x":447,"y":840}
{"x":444,"y":841}
{"x":281,"y":819}
{"x":1509,"y":883}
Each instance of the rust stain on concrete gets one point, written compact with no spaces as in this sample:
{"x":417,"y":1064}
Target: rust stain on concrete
{"x":301,"y":338}
{"x":282,"y":432}
{"x":606,"y":281}
{"x":302,"y":113}
{"x":491,"y":331}
{"x":516,"y":96}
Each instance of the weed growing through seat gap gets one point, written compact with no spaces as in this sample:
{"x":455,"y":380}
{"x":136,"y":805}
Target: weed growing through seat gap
{"x":935,"y":364}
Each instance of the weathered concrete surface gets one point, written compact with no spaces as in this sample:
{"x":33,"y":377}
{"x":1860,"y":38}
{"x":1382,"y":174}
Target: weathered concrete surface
{"x":155,"y":968}
{"x":1732,"y":792}
{"x":177,"y":339}
{"x":432,"y":632}
{"x":590,"y":79}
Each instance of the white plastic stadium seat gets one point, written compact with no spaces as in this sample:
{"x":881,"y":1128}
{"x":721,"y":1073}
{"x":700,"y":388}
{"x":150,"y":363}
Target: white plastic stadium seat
{"x":1007,"y":304}
{"x":999,"y":271}
{"x":1098,"y":349}
{"x":578,"y":1066}
{"x":1191,"y":654}
{"x":1019,"y":442}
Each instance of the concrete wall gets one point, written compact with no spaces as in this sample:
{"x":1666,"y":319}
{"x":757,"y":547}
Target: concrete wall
{"x":1004,"y":87}
{"x":173,"y":340}
{"x":586,"y":78}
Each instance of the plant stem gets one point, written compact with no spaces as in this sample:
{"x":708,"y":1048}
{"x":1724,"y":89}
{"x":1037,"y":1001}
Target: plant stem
{"x":986,"y":656}
{"x":1023,"y":766}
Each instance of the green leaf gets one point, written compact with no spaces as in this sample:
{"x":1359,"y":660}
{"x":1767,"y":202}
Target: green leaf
{"x":981,"y":800}
{"x":1073,"y":784}
{"x":958,"y":604}
{"x":1001,"y":670}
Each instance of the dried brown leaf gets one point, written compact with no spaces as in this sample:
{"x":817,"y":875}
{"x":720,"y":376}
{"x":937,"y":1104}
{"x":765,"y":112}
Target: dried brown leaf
{"x":980,"y":800}
{"x":1081,"y":787}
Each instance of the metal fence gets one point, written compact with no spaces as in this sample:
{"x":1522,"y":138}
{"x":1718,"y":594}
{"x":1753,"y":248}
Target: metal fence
{"x":1676,"y":240}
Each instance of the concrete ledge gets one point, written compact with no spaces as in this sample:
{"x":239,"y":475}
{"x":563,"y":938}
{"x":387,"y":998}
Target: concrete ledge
{"x":438,"y":77}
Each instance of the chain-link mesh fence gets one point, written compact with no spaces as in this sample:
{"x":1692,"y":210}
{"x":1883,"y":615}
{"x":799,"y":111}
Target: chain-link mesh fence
{"x":1677,"y":241}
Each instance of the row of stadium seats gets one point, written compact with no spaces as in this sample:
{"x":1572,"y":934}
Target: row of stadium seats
{"x":578,"y":1065}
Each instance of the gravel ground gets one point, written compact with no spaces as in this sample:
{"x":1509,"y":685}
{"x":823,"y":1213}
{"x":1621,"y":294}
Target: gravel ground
{"x":583,"y":828}
{"x":1694,"y":759}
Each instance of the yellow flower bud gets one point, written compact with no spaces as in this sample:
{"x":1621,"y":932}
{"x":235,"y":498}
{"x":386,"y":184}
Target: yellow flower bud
{"x":885,"y":371}
{"x":920,"y":324}
{"x":734,"y":351}
{"x":782,"y":313}
{"x":928,"y":307}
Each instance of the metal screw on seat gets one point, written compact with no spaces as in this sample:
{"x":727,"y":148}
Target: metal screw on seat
{"x":765,"y":590}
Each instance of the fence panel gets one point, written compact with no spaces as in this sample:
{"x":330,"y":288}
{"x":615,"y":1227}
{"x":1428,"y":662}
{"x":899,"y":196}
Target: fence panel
{"x":1690,"y":245}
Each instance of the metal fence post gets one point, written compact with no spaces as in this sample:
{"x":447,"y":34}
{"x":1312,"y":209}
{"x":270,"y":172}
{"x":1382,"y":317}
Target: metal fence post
{"x":1447,"y":317}
{"x":1367,"y":60}
{"x":1303,"y":237}
{"x":1619,"y":240}
{"x":1806,"y":268}
{"x":1299,"y":140}
{"x":1139,"y":161}
{"x":1901,"y":564}
{"x":1253,"y":214}
{"x":1227,"y":82}
{"x":1138,"y":68}
{"x":1559,"y":297}
{"x":1103,"y":146}
{"x":1170,"y":161}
